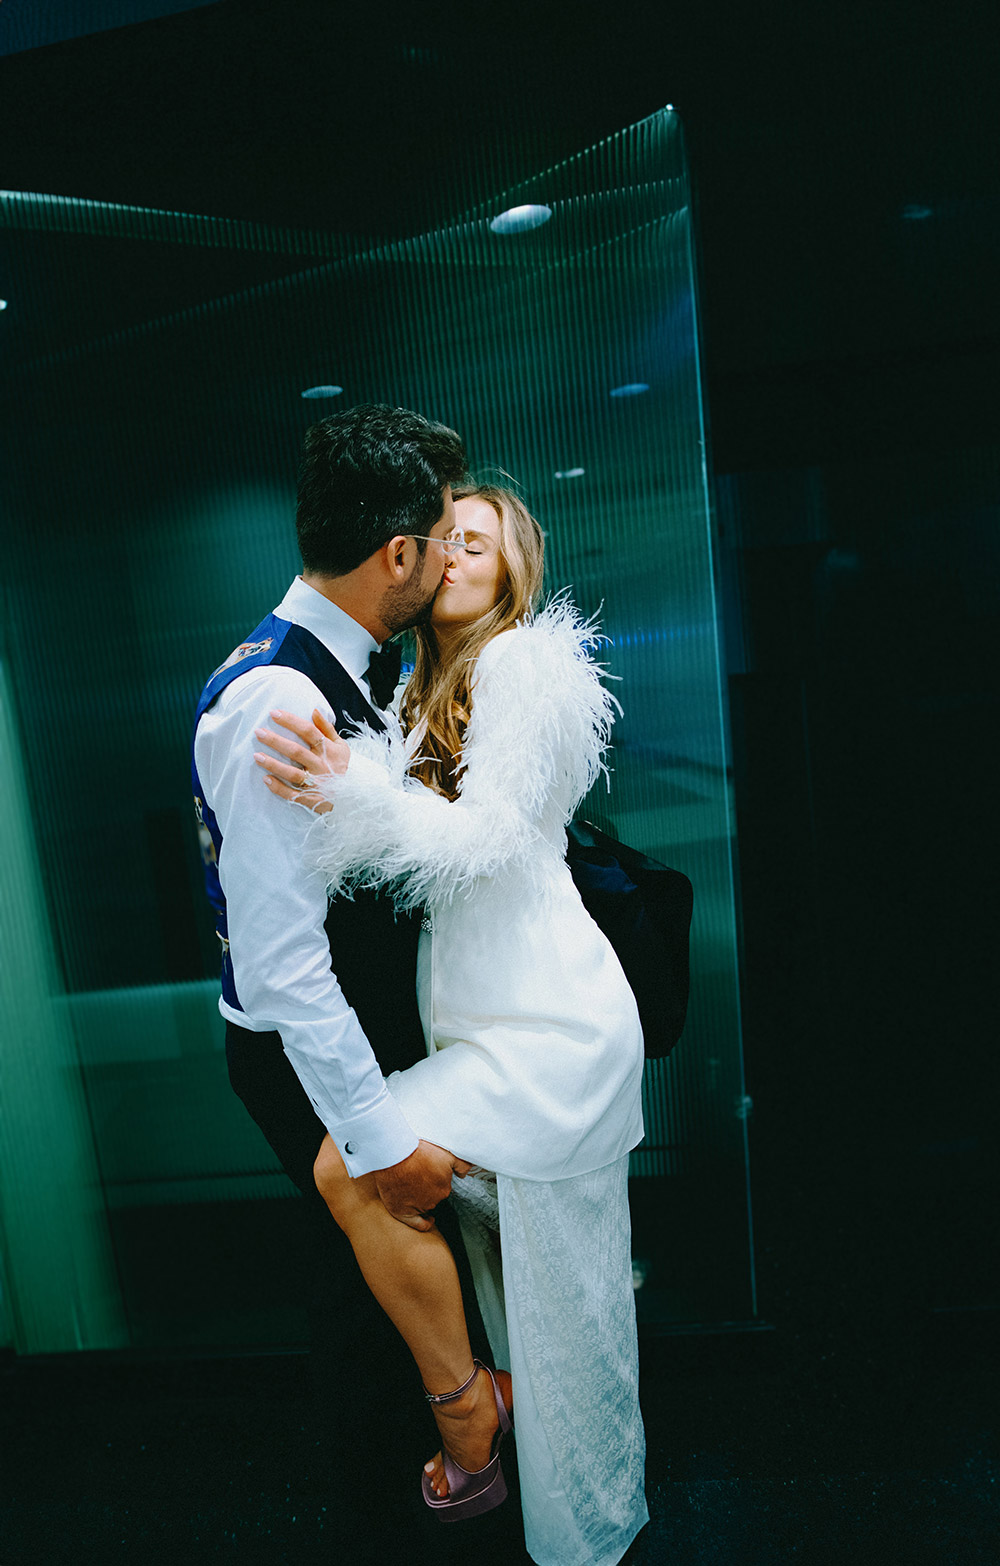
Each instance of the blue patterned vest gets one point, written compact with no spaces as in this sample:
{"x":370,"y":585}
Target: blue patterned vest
{"x":374,"y":952}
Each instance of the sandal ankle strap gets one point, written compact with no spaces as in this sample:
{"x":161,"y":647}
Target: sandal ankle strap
{"x":449,"y":1397}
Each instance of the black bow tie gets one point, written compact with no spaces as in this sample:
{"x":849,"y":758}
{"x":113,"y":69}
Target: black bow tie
{"x":382,"y":673}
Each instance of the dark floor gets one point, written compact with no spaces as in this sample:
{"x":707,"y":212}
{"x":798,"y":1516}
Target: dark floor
{"x":860,"y":1443}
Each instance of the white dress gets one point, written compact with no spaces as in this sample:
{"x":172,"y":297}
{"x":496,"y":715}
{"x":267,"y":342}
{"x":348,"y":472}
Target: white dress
{"x":534,"y":1061}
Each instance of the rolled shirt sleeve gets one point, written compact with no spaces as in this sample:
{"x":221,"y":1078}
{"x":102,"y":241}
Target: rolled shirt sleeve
{"x":276,"y":908}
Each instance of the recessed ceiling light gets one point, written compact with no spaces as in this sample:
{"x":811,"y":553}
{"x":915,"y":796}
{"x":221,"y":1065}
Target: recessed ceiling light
{"x":3,"y":304}
{"x":517,"y":220}
{"x":323,"y":391}
{"x":571,"y":473}
{"x":630,"y":389}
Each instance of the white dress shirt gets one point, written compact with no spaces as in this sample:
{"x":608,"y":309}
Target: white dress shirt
{"x":276,"y":905}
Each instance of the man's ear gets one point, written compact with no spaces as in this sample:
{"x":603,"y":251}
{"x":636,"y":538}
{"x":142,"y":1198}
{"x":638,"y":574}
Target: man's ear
{"x":394,"y":554}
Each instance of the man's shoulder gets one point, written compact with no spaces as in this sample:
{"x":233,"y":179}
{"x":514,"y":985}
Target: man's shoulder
{"x":250,"y":684}
{"x":279,"y":652}
{"x":254,"y":693}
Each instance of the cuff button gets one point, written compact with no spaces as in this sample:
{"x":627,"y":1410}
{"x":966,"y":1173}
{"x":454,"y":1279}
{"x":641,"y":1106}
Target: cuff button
{"x":349,"y":1147}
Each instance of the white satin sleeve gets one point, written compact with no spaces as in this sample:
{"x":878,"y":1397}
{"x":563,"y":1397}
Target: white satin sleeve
{"x":535,"y":744}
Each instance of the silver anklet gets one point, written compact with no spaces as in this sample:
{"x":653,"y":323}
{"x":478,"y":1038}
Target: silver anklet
{"x":449,"y":1397}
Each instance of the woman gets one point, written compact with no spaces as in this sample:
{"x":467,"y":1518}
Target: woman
{"x":532,"y":1078}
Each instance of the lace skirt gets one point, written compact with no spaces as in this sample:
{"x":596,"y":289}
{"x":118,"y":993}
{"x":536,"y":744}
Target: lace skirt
{"x":557,"y":1302}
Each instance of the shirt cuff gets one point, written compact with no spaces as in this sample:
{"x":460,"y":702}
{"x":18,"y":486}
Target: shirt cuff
{"x":376,"y":1139}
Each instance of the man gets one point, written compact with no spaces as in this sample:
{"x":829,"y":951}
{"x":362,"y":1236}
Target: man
{"x":313,"y":1008}
{"x":319,"y":1002}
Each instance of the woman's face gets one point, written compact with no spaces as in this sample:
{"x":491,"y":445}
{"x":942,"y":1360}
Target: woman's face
{"x":471,"y":582}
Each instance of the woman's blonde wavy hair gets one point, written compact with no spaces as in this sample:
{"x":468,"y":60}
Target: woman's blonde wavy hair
{"x":438,"y":698}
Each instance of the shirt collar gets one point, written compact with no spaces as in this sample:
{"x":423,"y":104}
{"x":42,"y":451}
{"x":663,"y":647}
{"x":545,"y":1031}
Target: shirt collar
{"x":341,"y":635}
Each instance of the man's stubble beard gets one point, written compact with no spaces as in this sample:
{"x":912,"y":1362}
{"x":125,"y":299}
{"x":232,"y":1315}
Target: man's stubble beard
{"x":404,"y":607}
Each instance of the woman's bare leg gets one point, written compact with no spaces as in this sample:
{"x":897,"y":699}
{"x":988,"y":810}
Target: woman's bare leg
{"x":412,"y":1274}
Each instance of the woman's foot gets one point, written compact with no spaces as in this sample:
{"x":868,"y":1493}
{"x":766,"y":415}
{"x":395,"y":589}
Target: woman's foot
{"x":467,"y":1427}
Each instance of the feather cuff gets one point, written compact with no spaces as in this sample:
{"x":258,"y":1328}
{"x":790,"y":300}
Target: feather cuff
{"x":535,"y":744}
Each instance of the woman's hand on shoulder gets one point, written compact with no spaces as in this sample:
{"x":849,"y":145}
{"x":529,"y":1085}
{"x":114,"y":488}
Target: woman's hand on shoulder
{"x":316,"y":752}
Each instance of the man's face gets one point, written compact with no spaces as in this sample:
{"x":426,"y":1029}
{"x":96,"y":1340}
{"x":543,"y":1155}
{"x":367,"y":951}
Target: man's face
{"x":411,"y":603}
{"x":435,"y":555}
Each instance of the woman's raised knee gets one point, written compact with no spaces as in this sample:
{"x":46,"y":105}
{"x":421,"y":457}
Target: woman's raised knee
{"x":351,"y":1201}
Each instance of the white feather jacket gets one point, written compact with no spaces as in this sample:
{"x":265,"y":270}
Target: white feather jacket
{"x":534,"y":1046}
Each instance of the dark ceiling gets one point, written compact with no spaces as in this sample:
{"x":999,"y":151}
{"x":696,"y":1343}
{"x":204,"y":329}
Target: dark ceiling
{"x":845,"y":159}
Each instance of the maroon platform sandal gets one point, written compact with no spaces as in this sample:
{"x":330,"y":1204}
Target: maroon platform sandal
{"x":470,"y":1494}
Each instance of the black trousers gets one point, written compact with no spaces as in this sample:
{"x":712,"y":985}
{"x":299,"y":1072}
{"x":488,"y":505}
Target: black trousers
{"x":261,"y":1074}
{"x":357,"y":1354}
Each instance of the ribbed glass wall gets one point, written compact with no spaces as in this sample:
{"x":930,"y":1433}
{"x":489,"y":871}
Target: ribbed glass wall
{"x":157,"y":401}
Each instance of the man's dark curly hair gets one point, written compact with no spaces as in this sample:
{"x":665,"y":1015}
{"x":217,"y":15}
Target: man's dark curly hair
{"x":366,"y":475}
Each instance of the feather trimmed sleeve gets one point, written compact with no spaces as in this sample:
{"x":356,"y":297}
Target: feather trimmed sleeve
{"x":535,"y":744}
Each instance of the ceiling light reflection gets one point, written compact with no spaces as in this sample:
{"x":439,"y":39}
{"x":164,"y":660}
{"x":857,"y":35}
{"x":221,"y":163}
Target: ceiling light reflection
{"x":517,"y":220}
